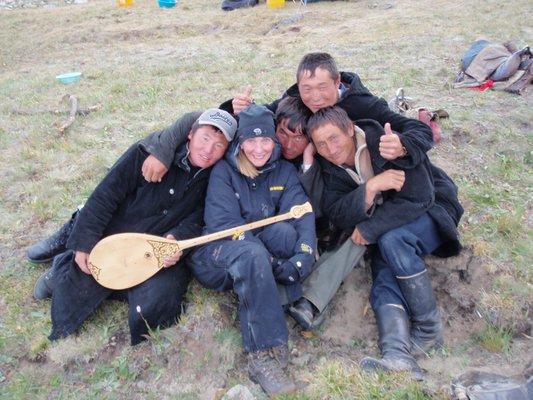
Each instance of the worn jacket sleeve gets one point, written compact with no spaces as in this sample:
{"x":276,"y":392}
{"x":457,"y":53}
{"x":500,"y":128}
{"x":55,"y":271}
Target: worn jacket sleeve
{"x":393,"y":213}
{"x":343,"y":202}
{"x":163,"y":144}
{"x":121,"y":180}
{"x":415,"y":136}
{"x":313,"y":185}
{"x":399,"y":208}
{"x":304,"y":250}
{"x":222,"y":209}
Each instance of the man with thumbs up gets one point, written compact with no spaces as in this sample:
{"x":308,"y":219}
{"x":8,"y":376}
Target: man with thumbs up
{"x":402,"y":210}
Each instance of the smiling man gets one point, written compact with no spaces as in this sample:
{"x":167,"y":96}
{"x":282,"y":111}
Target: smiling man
{"x":125,"y":202}
{"x":404,"y":211}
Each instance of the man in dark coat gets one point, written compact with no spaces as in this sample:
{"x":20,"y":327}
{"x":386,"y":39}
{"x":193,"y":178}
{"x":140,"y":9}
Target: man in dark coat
{"x":403,"y":210}
{"x":125,"y":202}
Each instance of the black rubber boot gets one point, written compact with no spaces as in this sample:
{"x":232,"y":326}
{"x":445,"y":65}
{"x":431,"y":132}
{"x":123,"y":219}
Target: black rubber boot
{"x":394,"y":343}
{"x":426,"y":325}
{"x":45,"y":250}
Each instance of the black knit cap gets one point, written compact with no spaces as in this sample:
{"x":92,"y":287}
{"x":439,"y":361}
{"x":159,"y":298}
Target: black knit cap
{"x":256,"y":121}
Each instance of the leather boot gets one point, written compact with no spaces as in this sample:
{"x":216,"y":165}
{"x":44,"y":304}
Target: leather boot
{"x":426,"y":325}
{"x":307,"y":316}
{"x":265,"y":369}
{"x":394,"y":343}
{"x":44,"y":286}
{"x":45,"y":250}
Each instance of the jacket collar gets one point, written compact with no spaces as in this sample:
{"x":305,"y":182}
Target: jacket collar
{"x":181,"y":159}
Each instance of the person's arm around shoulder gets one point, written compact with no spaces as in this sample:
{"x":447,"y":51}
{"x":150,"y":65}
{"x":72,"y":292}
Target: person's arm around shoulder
{"x":162,"y":146}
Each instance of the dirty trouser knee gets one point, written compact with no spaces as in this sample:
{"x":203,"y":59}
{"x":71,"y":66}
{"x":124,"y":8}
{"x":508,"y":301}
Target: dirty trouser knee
{"x":245,"y":267}
{"x":279,"y":239}
{"x":330,"y":271}
{"x":76,"y":295}
{"x":403,"y":248}
{"x":157,"y":302}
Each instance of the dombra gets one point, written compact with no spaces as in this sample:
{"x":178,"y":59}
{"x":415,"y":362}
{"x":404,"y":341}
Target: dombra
{"x":124,"y":260}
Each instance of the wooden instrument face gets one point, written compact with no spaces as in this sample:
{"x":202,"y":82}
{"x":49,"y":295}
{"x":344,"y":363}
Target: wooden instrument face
{"x":124,"y":260}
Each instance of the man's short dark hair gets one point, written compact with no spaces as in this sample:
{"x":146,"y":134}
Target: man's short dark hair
{"x":311,"y":61}
{"x":197,"y":125}
{"x":335,"y":116}
{"x":294,"y":112}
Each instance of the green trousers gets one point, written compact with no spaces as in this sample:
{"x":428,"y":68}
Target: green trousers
{"x":329,"y":272}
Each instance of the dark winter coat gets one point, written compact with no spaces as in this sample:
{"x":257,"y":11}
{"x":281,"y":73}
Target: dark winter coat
{"x":125,"y":202}
{"x":234,"y":199}
{"x":426,"y":189}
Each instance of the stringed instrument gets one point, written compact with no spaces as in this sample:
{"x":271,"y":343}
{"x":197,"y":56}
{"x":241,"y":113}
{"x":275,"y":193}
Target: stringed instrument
{"x":124,"y":260}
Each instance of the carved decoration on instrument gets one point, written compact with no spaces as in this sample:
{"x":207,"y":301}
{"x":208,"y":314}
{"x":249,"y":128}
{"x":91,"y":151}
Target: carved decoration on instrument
{"x":95,"y":271}
{"x":163,"y":250}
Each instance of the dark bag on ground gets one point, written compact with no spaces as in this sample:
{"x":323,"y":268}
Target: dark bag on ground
{"x":230,"y":5}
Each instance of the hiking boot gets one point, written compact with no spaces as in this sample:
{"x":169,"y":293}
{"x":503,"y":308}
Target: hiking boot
{"x":281,"y":354}
{"x":394,"y":343}
{"x":265,"y":370}
{"x":426,"y":325}
{"x":44,"y":286}
{"x":45,"y":250}
{"x":306,"y":314}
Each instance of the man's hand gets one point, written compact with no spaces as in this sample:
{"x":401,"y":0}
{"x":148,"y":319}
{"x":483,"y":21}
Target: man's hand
{"x":81,"y":259}
{"x":170,"y":261}
{"x":242,"y":100}
{"x":153,"y":170}
{"x":390,"y":179}
{"x":357,"y":238}
{"x":390,"y":146}
{"x":309,"y":154}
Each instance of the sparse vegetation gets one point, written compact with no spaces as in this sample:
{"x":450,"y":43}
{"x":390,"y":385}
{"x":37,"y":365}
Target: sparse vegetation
{"x":146,"y":66}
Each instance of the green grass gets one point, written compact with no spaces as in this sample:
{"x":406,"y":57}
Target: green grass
{"x":495,"y":339}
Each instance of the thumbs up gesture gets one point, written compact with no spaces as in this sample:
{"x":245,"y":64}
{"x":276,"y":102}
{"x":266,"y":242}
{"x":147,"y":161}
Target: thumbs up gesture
{"x":242,"y":100}
{"x":390,"y":146}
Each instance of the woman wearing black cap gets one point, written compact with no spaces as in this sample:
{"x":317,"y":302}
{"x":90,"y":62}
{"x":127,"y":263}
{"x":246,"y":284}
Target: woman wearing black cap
{"x":252,"y":183}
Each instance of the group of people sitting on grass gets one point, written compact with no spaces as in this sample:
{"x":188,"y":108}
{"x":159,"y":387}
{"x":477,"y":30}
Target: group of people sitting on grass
{"x":365,"y":170}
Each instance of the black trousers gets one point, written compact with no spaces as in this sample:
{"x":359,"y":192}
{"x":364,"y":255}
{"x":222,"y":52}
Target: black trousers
{"x":156,"y":302}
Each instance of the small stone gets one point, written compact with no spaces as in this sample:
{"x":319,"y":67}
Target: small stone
{"x":238,"y":392}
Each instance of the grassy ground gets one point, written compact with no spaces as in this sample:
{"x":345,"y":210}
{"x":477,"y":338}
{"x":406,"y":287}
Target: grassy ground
{"x":146,"y":66}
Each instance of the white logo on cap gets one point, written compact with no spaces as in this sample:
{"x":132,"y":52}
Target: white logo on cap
{"x":257,"y":131}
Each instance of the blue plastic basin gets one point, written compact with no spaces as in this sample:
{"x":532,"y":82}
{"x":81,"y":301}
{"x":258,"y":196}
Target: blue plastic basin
{"x":69,"y":77}
{"x":166,"y":3}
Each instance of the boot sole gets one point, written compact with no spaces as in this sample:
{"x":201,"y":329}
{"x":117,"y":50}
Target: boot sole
{"x":40,"y":261}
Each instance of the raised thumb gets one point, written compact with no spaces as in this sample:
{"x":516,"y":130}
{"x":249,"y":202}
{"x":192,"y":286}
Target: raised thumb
{"x":388,"y":129}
